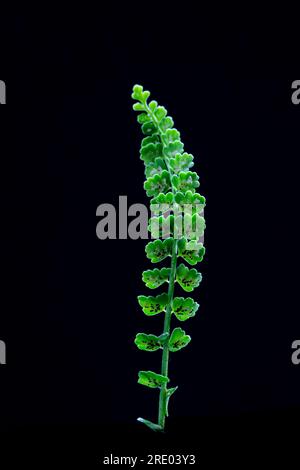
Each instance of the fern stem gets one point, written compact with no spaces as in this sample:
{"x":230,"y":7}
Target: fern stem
{"x":162,"y":408}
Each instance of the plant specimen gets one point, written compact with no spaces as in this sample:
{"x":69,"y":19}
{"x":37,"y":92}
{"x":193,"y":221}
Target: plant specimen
{"x":177,"y":226}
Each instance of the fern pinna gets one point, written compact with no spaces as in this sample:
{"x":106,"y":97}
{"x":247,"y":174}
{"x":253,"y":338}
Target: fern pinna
{"x":177,"y":226}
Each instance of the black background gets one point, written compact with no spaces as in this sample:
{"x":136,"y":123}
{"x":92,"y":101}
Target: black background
{"x":69,"y":311}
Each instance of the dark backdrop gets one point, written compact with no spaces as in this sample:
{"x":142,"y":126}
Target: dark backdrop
{"x":73,"y":143}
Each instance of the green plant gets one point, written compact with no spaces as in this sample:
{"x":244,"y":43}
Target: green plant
{"x":172,"y":187}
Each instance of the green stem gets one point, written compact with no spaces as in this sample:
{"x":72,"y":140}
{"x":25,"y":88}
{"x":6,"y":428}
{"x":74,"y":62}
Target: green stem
{"x":162,"y":407}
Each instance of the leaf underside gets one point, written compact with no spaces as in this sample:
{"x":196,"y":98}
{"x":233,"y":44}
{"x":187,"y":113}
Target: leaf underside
{"x":178,"y":340}
{"x":151,"y":379}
